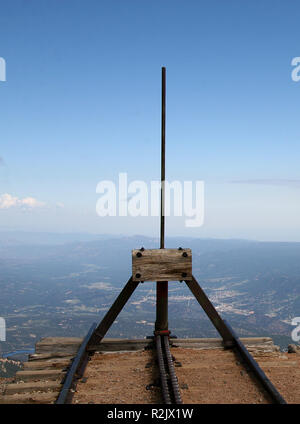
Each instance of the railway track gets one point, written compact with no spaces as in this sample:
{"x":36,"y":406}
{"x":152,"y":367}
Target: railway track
{"x":169,"y":382}
{"x":76,"y":370}
{"x":168,"y":379}
{"x":170,"y":390}
{"x":52,"y":373}
{"x":260,"y":376}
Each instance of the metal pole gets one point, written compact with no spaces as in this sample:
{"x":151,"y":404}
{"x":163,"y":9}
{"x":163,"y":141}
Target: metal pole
{"x":161,"y":323}
{"x":163,"y":157}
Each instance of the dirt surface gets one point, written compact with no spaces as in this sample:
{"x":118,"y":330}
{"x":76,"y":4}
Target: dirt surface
{"x":283,"y":369}
{"x":3,"y":383}
{"x":215,"y":376}
{"x":205,"y":376}
{"x":118,"y":378}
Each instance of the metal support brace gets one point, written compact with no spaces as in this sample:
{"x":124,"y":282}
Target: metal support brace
{"x":113,"y":312}
{"x":210,"y":311}
{"x":230,"y":339}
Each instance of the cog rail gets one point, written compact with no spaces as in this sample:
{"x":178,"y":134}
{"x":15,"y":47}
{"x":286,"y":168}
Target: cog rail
{"x":169,"y":382}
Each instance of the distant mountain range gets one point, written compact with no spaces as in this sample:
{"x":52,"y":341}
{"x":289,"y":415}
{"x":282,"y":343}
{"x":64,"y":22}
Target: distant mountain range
{"x":58,"y":284}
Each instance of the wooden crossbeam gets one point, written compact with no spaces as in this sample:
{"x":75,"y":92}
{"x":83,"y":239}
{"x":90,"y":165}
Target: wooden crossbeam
{"x":161,"y":264}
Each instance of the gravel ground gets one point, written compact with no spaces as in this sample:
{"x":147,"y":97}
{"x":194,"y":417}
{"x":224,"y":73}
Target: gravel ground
{"x":212,"y":376}
{"x":3,"y":382}
{"x":215,"y":376}
{"x":116,"y":378}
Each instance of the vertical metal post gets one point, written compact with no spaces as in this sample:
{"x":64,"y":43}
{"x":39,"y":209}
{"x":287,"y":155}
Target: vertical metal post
{"x":163,"y":158}
{"x":161,"y":323}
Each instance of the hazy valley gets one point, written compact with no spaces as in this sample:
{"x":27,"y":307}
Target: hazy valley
{"x":58,"y":286}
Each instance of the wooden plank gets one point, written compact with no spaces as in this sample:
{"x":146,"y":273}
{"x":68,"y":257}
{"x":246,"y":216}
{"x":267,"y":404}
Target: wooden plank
{"x":245,"y":340}
{"x":29,"y":398}
{"x":43,"y":365}
{"x":161,"y":264}
{"x":67,"y":345}
{"x":262,"y":349}
{"x":32,"y":386}
{"x":253,"y":344}
{"x":278,"y":364}
{"x":114,"y":345}
{"x":32,"y":375}
{"x":51,"y":355}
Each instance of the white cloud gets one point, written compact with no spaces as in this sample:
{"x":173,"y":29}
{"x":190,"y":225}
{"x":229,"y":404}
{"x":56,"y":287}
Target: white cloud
{"x":8,"y":201}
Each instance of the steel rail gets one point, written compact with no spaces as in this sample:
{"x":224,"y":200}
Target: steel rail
{"x":231,"y":340}
{"x":162,"y":371}
{"x":172,"y":374}
{"x":76,"y":370}
{"x":253,"y":365}
{"x":168,"y":379}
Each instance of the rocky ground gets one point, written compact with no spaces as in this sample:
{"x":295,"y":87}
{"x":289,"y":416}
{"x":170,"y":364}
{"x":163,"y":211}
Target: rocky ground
{"x":206,"y":372}
{"x":3,"y":383}
{"x":8,"y":368}
{"x":117,"y":378}
{"x":205,"y":376}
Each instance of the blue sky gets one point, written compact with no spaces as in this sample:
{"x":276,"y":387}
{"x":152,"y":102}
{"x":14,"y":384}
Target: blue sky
{"x":82,"y":103}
